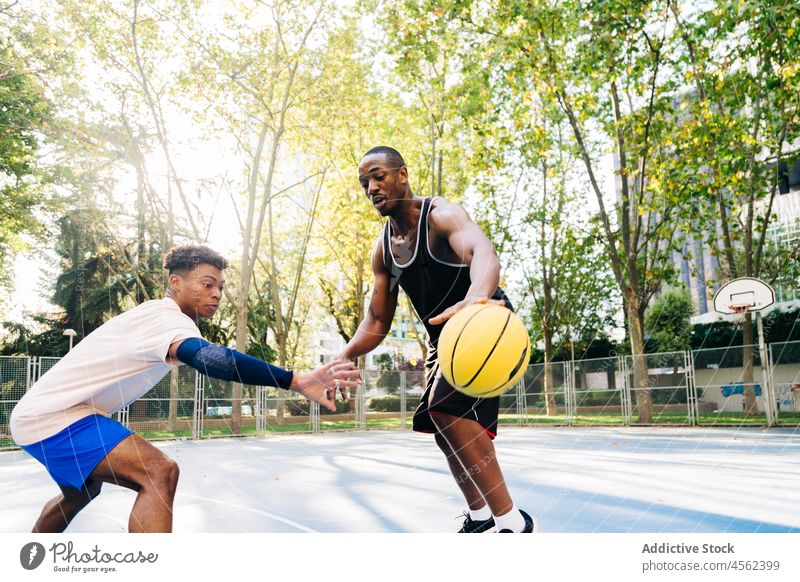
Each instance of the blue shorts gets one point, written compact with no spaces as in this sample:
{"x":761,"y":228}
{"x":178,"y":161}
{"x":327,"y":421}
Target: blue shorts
{"x":71,"y":455}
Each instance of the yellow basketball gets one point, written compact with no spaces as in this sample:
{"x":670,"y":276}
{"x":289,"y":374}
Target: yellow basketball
{"x":484,"y":350}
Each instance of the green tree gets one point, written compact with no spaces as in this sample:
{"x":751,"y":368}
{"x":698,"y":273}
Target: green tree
{"x":355,"y":116}
{"x":668,"y":321}
{"x":389,"y":378}
{"x":344,"y":128}
{"x":95,"y":282}
{"x":742,"y":120}
{"x":24,"y":114}
{"x":424,"y":47}
{"x":530,"y":157}
{"x":606,"y":65}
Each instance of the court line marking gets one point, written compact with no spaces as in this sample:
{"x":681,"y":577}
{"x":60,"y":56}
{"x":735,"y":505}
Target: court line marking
{"x":294,"y":524}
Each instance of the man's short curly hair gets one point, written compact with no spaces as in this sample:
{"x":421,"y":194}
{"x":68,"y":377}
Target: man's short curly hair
{"x":184,"y":259}
{"x":391,"y":154}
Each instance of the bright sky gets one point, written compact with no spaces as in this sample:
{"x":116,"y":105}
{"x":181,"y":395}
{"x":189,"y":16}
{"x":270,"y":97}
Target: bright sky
{"x":34,"y":272}
{"x":26,"y":298}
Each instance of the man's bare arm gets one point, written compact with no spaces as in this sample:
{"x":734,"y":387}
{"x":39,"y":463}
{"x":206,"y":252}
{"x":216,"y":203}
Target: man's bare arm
{"x":378,"y":320}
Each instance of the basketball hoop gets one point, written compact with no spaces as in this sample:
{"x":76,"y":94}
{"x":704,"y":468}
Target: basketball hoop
{"x":743,"y":295}
{"x":750,"y":295}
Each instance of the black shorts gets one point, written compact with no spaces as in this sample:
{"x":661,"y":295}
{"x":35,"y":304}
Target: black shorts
{"x":441,"y":398}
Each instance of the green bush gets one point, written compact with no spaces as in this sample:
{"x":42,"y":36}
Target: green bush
{"x":599,"y":398}
{"x":669,"y":396}
{"x":392,"y":403}
{"x":301,"y":408}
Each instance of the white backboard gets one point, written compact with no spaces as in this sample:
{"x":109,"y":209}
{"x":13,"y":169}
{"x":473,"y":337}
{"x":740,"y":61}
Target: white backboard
{"x":746,"y":293}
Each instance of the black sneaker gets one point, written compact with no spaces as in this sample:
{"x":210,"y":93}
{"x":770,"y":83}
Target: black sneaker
{"x":472,"y":526}
{"x":528,"y":524}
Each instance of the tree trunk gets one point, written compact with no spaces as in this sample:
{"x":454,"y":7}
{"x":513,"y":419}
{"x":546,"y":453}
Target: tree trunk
{"x":172,"y":419}
{"x":140,"y":260}
{"x":361,"y":364}
{"x":750,"y":407}
{"x":412,"y":314}
{"x":641,"y":382}
{"x":360,"y":292}
{"x":433,"y":155}
{"x":547,"y":331}
{"x":241,"y":345}
{"x":550,"y":399}
{"x":280,"y":412}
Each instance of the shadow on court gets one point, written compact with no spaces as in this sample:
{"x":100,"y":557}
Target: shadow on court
{"x":572,"y":480}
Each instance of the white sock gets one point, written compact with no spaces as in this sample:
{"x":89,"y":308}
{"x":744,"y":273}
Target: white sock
{"x":512,"y":520}
{"x":481,"y":514}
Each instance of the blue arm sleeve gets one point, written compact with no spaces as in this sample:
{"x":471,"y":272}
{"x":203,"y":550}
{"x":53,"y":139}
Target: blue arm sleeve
{"x":228,"y":364}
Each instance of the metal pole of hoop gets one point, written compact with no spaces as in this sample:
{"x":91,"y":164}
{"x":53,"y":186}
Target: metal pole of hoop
{"x":751,"y":294}
{"x":770,"y":408}
{"x":766,"y":375}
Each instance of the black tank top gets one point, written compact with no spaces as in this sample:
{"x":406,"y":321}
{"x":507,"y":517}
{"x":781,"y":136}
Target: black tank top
{"x":432,"y":284}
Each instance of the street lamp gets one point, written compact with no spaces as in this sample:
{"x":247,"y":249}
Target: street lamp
{"x":71,"y":333}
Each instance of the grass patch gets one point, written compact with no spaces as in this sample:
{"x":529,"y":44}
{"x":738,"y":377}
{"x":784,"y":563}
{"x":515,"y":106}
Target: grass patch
{"x":302,"y":427}
{"x":377,"y":423}
{"x":591,"y":419}
{"x":665,"y":418}
{"x":511,"y":419}
{"x":247,"y":430}
{"x":165,"y":434}
{"x":784,"y":418}
{"x":583,"y":419}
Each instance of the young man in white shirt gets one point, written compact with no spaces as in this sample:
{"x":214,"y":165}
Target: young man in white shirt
{"x":63,"y":420}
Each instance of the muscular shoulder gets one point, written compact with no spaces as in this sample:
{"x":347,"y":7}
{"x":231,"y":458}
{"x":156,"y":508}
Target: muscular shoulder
{"x":446,"y":216}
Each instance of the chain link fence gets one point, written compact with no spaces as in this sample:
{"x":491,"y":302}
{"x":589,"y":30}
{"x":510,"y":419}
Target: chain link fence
{"x":785,"y":369}
{"x":722,"y":379}
{"x":16,"y":375}
{"x":660,"y":391}
{"x":697,"y":388}
{"x":598,"y":395}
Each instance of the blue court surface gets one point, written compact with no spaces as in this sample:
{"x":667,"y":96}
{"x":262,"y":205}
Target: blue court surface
{"x":642,"y":480}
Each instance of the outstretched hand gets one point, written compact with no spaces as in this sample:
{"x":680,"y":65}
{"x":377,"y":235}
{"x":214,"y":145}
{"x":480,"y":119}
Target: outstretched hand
{"x":320,"y":384}
{"x":453,"y":309}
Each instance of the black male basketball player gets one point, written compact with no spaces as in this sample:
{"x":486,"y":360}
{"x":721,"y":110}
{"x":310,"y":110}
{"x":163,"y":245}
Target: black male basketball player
{"x":443,"y":261}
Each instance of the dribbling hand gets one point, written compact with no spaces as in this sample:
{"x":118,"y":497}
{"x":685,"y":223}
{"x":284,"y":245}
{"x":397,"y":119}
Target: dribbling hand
{"x":453,"y":309}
